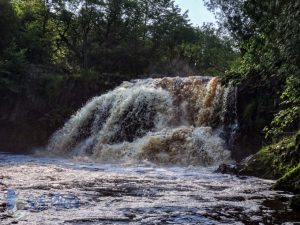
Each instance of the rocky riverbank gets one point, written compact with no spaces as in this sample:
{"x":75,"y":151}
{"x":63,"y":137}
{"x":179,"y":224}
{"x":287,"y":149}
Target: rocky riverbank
{"x":279,"y":161}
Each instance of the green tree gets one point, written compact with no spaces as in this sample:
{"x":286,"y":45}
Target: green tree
{"x":110,"y":36}
{"x":209,"y":53}
{"x":8,"y":22}
{"x":33,"y":30}
{"x":267,"y":32}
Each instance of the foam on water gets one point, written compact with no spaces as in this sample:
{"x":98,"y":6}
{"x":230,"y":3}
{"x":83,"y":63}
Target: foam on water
{"x":138,"y":194}
{"x":166,"y":121}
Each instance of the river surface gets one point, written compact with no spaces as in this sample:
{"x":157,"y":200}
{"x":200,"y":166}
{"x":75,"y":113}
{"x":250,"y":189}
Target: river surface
{"x":133,"y":194}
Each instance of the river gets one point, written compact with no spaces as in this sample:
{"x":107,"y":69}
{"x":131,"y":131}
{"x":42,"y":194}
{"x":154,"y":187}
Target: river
{"x":140,"y":194}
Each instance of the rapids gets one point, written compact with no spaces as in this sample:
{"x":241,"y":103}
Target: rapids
{"x":139,"y":194}
{"x":143,"y":153}
{"x":174,"y":121}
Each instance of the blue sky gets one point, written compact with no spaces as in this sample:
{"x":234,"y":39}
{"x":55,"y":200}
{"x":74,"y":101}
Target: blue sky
{"x":198,"y":13}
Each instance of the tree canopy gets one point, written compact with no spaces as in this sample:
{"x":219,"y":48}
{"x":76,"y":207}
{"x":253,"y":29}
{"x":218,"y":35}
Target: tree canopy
{"x":109,"y":36}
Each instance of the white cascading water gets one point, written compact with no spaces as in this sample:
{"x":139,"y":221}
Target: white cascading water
{"x":164,"y":121}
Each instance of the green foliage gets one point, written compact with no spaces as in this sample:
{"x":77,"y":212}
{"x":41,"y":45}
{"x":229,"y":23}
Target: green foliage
{"x":7,"y":23}
{"x":267,"y":34}
{"x":275,"y":160}
{"x":233,"y":17}
{"x":244,"y":67}
{"x":288,"y":118}
{"x":290,"y":181}
{"x":208,"y":53}
{"x":129,"y":37}
{"x":12,"y":70}
{"x":33,"y":33}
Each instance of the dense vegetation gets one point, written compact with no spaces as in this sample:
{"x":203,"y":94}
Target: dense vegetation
{"x":268,"y":36}
{"x":96,"y":37}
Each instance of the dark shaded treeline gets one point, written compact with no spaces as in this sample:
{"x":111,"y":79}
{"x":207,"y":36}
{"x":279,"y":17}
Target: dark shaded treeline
{"x":117,"y":36}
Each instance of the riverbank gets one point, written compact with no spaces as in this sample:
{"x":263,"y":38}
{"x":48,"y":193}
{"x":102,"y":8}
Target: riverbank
{"x":279,"y":161}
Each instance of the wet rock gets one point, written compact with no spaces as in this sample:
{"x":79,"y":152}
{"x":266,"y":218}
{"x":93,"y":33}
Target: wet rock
{"x":290,"y":182}
{"x":2,"y":206}
{"x":225,"y":168}
{"x":232,"y":199}
{"x":130,"y":215}
{"x":279,"y":160}
{"x":259,"y":165}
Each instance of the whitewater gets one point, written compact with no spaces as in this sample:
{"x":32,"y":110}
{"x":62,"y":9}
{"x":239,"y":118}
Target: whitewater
{"x":143,"y":153}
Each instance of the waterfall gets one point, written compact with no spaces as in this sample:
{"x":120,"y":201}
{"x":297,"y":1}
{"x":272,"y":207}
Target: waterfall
{"x":165,"y":121}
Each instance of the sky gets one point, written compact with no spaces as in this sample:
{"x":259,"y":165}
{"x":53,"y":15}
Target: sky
{"x":198,"y":13}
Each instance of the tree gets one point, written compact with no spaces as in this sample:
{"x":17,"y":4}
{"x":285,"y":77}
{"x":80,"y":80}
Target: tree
{"x":209,"y":53}
{"x":33,"y":29}
{"x":8,"y":23}
{"x":109,"y":36}
{"x":267,"y":32}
